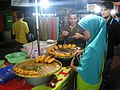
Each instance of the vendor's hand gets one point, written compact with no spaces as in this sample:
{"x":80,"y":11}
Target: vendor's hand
{"x":77,"y":36}
{"x":65,"y":33}
{"x":78,"y":52}
{"x":72,"y":65}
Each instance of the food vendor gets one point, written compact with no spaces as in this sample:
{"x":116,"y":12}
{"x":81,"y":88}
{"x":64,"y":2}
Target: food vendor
{"x":72,"y":33}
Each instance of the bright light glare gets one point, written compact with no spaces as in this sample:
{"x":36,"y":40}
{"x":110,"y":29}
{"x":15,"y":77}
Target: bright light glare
{"x":44,"y":3}
{"x":36,"y":9}
{"x":93,"y":8}
{"x":34,"y":14}
{"x":113,"y":12}
{"x":97,"y":9}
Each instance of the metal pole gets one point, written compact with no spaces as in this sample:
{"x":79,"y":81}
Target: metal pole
{"x":37,"y":26}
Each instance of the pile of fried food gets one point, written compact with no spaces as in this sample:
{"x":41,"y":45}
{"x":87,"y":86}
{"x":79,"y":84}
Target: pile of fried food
{"x":65,"y":50}
{"x":45,"y":59}
{"x":42,"y":66}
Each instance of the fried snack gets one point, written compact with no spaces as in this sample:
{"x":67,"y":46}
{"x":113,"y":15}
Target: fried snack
{"x":67,"y":54}
{"x":16,"y":69}
{"x":25,"y":72}
{"x":52,"y":53}
{"x":57,"y":54}
{"x":56,"y":47}
{"x":33,"y":73}
{"x":62,"y":55}
{"x":65,"y":46}
{"x":69,"y":45}
{"x":50,"y":48}
{"x":37,"y":60}
{"x":60,"y":46}
{"x":51,"y":60}
{"x":42,"y":58}
{"x":30,"y":73}
{"x":73,"y":46}
{"x":47,"y":58}
{"x":21,"y":71}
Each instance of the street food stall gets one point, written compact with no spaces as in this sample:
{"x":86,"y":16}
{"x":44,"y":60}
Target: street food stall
{"x":64,"y":79}
{"x":25,"y":72}
{"x":43,"y":63}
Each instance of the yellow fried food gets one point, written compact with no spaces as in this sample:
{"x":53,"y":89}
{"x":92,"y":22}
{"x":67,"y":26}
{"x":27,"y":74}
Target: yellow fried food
{"x":60,"y":46}
{"x":62,"y":55}
{"x":51,"y":60}
{"x":65,"y":46}
{"x":32,"y":73}
{"x":37,"y":60}
{"x":67,"y":54}
{"x":16,"y":69}
{"x":21,"y":71}
{"x":42,"y":58}
{"x":73,"y":46}
{"x":47,"y":58}
{"x":69,"y":45}
{"x":25,"y":72}
{"x":35,"y":73}
{"x":56,"y":47}
{"x":50,"y":48}
{"x":52,"y":53}
{"x":57,"y":54}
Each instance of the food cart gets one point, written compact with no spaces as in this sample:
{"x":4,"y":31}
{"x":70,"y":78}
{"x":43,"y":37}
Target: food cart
{"x":63,"y":79}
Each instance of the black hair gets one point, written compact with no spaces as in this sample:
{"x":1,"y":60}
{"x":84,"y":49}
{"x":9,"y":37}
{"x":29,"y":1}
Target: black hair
{"x":107,"y":5}
{"x":20,"y":15}
{"x":73,"y":12}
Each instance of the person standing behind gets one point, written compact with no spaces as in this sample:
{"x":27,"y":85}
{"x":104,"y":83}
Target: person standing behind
{"x":118,"y":16}
{"x":92,"y":59}
{"x":72,"y":33}
{"x":113,"y":29}
{"x":20,"y":29}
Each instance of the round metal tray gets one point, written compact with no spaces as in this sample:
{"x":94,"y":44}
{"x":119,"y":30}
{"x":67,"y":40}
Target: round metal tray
{"x":38,"y":76}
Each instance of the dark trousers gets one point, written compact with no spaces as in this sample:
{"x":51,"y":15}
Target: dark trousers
{"x":106,"y":75}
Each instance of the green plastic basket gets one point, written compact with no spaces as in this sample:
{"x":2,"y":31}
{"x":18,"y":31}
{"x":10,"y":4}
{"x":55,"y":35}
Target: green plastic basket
{"x":16,"y":57}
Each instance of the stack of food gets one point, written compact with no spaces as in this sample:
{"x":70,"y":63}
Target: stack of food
{"x":62,"y":51}
{"x":45,"y":59}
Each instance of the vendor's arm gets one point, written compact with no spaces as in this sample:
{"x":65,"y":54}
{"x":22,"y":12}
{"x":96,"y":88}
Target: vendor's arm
{"x":72,"y":66}
{"x":78,"y":52}
{"x":84,"y":36}
{"x":63,"y":35}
